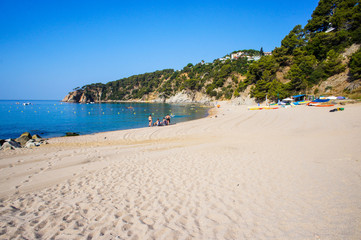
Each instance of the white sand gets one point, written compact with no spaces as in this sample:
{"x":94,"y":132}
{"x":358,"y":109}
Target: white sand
{"x":270,"y":174}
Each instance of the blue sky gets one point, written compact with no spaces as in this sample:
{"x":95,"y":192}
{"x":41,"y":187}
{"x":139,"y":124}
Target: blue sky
{"x":47,"y":48}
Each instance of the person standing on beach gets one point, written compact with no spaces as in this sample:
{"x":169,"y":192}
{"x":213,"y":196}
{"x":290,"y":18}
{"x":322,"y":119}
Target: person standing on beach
{"x":150,"y":120}
{"x":168,"y":119}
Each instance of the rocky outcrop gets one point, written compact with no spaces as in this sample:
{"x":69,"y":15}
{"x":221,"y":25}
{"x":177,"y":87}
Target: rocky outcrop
{"x":73,"y":97}
{"x":339,"y":83}
{"x":78,"y":96}
{"x":24,"y":138}
{"x":10,"y":144}
{"x":25,"y":141}
{"x":244,"y":100}
{"x":85,"y":99}
{"x":36,"y":137}
{"x":349,"y":51}
{"x":353,"y":86}
{"x":32,"y":143}
{"x":187,"y":96}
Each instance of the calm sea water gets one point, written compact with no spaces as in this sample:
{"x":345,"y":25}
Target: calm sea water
{"x":54,"y":118}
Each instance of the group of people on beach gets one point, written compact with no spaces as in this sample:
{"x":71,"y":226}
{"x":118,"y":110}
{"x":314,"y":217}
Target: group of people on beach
{"x":164,"y":122}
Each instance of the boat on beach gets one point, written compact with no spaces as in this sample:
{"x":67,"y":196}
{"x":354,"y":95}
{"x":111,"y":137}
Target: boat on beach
{"x":270,"y":107}
{"x":263,"y":107}
{"x":255,"y":108}
{"x":324,"y":105}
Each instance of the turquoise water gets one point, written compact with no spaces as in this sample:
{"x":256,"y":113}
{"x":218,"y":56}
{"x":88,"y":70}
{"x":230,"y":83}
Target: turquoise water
{"x":54,"y":118}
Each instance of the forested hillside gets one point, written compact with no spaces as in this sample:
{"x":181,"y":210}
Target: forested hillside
{"x":218,"y":79}
{"x":312,"y":54}
{"x":325,"y":51}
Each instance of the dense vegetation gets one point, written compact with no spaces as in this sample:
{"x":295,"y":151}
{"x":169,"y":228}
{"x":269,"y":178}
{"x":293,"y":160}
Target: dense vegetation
{"x":218,"y":79}
{"x":312,"y":53}
{"x":309,"y":55}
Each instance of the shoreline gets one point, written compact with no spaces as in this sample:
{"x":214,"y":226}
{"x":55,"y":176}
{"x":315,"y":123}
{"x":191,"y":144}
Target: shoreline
{"x":209,"y":107}
{"x":283,"y":174}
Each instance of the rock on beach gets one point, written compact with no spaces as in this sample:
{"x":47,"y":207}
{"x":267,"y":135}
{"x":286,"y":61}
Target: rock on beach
{"x":24,"y":141}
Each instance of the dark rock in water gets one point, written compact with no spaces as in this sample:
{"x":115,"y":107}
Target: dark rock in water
{"x":23,"y":139}
{"x":70,"y":134}
{"x":1,"y":142}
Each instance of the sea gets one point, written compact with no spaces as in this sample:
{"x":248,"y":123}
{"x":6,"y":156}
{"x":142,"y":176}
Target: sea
{"x":52,"y":118}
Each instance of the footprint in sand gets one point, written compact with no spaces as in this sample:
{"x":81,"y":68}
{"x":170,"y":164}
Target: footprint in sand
{"x":126,"y":227}
{"x":32,"y":223}
{"x":41,"y":225}
{"x":61,"y":227}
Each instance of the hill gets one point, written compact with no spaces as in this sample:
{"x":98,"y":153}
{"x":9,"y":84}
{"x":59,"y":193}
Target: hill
{"x":217,"y":79}
{"x":324,"y":57}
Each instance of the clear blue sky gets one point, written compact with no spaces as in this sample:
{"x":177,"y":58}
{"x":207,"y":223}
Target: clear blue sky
{"x":47,"y":48}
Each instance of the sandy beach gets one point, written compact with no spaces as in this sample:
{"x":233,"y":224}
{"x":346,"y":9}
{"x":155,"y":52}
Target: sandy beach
{"x":273,"y":174}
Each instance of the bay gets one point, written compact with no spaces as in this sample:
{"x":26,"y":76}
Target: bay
{"x":50,"y":118}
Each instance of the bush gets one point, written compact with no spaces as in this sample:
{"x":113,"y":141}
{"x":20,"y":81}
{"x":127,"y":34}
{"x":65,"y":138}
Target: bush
{"x":190,"y":84}
{"x":236,"y":93}
{"x":213,"y":93}
{"x":228,"y":94}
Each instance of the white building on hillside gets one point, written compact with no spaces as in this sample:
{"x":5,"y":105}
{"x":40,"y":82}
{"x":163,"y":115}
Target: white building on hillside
{"x":237,"y":55}
{"x":224,"y":59}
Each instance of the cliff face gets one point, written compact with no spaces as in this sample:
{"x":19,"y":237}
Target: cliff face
{"x":78,"y":96}
{"x":73,"y":97}
{"x":185,"y":96}
{"x":189,"y":97}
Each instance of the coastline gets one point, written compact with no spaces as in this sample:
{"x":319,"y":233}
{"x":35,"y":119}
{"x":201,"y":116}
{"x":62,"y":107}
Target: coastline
{"x":183,"y":112}
{"x":287,"y":173}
